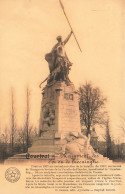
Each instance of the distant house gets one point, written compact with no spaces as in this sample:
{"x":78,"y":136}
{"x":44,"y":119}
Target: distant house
{"x":98,"y":146}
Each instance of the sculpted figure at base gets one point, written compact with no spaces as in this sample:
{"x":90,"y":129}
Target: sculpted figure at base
{"x":59,"y":64}
{"x":78,"y":148}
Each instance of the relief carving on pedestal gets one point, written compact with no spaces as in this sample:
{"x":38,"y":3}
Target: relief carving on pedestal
{"x":48,"y":114}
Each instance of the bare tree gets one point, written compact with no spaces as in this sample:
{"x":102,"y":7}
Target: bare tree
{"x":121,"y":138}
{"x":6,"y":135}
{"x":92,"y":106}
{"x":27,"y":128}
{"x":36,"y":132}
{"x":122,"y":125}
{"x":108,"y":139}
{"x":22,"y":138}
{"x":13,"y":123}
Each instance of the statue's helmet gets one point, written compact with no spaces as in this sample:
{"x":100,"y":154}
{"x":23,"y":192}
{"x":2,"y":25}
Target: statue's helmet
{"x":59,"y":38}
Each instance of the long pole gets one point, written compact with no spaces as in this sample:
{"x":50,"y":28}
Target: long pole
{"x":69,"y":24}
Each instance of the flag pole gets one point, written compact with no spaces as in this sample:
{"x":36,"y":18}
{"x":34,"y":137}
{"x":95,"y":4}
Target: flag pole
{"x":69,"y":24}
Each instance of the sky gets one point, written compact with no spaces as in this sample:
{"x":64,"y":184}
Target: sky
{"x":28,"y":30}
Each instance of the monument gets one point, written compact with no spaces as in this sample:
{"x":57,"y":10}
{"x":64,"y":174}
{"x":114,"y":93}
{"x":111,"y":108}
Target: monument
{"x":59,"y":124}
{"x":60,"y":103}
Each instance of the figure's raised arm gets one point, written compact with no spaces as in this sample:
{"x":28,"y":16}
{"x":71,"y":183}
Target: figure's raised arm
{"x":68,"y":37}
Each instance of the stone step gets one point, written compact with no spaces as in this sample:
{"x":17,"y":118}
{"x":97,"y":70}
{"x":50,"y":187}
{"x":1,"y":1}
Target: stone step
{"x":21,"y":158}
{"x":44,"y":148}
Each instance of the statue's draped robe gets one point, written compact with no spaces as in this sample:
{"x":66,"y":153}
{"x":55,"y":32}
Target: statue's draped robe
{"x":58,"y":61}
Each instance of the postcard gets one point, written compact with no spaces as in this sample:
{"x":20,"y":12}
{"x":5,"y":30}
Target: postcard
{"x":62,"y":96}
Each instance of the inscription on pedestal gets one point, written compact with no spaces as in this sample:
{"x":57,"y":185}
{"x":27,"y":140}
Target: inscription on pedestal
{"x":68,"y":96}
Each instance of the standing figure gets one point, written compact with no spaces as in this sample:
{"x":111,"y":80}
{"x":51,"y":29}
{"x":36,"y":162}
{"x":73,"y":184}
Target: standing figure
{"x":59,"y":63}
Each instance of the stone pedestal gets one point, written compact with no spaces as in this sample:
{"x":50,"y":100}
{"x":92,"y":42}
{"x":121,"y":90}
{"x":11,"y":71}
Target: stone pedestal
{"x":59,"y":116}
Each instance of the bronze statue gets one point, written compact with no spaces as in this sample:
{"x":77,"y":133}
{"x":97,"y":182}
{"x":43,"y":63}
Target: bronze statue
{"x":59,"y":63}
